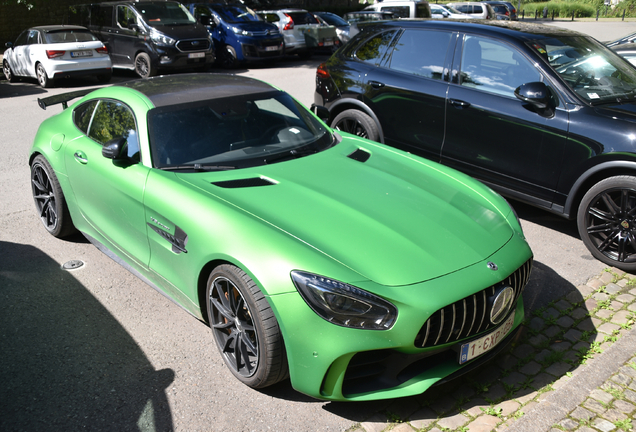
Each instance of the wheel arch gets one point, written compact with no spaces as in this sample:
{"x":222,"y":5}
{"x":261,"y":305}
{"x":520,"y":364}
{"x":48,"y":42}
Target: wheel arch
{"x":345,"y":104}
{"x":592,"y":176}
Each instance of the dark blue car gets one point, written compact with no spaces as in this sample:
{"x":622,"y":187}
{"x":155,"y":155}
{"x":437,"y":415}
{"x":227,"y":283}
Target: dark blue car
{"x":239,"y":34}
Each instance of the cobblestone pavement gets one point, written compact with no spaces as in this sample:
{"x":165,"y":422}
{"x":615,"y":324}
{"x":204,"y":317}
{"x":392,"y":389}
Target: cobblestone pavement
{"x":573,"y":369}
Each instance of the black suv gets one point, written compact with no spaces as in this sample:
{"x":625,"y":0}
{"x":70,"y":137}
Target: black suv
{"x":147,"y":36}
{"x":543,"y":115}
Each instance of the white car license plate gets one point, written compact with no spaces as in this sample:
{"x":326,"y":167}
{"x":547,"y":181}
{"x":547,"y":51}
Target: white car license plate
{"x":196,"y":55}
{"x":484,"y":344}
{"x":86,"y":53}
{"x":328,"y":43}
{"x":271,"y":48}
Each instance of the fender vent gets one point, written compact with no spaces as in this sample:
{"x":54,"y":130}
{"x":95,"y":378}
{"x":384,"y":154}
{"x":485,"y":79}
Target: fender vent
{"x":244,"y":183}
{"x":360,"y":155}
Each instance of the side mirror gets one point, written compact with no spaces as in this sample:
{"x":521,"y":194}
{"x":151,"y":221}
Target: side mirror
{"x":9,"y":44}
{"x":206,"y":20}
{"x":321,"y":112}
{"x":535,"y":93}
{"x":115,"y":148}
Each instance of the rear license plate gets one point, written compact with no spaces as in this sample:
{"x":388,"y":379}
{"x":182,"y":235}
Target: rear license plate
{"x":484,"y":344}
{"x":328,"y":43}
{"x":86,"y":53}
{"x":271,"y":48}
{"x":196,"y":55}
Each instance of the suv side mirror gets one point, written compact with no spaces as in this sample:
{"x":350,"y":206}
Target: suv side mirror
{"x":535,"y":93}
{"x":206,"y":20}
{"x":9,"y":44}
{"x":114,"y":149}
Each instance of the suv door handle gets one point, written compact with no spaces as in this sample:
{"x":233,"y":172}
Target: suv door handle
{"x":376,"y":84}
{"x":458,"y":103}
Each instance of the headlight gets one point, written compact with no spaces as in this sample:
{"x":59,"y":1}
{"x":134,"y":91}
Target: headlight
{"x":343,"y":304}
{"x":239,"y":31}
{"x":161,"y":39}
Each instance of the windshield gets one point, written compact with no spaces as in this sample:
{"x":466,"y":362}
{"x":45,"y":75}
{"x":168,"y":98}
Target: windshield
{"x":164,"y":13}
{"x":594,"y":72}
{"x":234,"y":132}
{"x":235,"y":14}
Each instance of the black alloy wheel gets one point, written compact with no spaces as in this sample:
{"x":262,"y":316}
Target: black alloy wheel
{"x":49,"y":199}
{"x":357,"y":123}
{"x":607,"y":221}
{"x":245,"y":328}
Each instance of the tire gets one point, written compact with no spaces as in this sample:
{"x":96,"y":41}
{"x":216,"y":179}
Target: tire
{"x":43,"y":79}
{"x":244,"y":326}
{"x":143,"y":65}
{"x":49,"y":199}
{"x":8,"y":73}
{"x":607,"y":222}
{"x":105,"y":78}
{"x":229,"y":59}
{"x":357,"y":123}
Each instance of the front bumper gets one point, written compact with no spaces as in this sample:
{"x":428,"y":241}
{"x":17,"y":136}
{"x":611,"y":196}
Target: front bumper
{"x":338,"y":363}
{"x":173,"y":59}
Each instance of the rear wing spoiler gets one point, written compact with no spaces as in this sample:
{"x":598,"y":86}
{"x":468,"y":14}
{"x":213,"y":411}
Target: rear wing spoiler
{"x":62,"y":98}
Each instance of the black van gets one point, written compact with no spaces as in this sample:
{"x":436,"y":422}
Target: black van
{"x":147,"y":36}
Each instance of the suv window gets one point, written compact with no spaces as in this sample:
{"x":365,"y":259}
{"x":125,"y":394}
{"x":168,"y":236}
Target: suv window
{"x":398,"y":11}
{"x":374,"y":49}
{"x":421,"y":53}
{"x":465,"y":8}
{"x":125,"y":17}
{"x":494,"y":67}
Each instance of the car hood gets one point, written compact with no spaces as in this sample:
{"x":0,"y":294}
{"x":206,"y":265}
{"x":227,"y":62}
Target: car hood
{"x":254,"y":26}
{"x":394,"y":219}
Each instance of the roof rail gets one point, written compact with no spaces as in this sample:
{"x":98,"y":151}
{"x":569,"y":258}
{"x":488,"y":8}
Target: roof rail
{"x":62,"y":98}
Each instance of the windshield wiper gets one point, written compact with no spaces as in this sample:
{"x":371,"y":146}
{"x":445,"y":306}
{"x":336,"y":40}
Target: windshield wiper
{"x":291,"y":154}
{"x":198,"y":167}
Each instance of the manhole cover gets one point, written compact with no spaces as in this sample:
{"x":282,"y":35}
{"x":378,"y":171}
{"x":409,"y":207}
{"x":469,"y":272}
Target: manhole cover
{"x":72,"y":264}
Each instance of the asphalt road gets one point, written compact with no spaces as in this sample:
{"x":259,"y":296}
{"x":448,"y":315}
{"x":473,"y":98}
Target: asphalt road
{"x":97,"y":349}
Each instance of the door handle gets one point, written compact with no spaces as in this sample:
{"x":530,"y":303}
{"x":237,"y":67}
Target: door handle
{"x":458,"y":103}
{"x":376,"y":84}
{"x":80,"y":157}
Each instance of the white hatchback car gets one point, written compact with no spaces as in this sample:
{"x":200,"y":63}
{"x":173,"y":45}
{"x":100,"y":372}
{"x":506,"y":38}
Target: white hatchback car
{"x":51,"y":52}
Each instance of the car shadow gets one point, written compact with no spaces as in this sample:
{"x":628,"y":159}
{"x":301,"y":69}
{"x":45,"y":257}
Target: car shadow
{"x":555,"y":338}
{"x":67,"y":362}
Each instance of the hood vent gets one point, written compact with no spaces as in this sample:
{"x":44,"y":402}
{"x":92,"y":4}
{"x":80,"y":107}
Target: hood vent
{"x":360,"y":155}
{"x":244,"y":183}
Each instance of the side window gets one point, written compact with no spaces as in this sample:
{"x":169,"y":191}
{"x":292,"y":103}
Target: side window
{"x":125,"y":17}
{"x":465,"y":8}
{"x":421,"y":52}
{"x":34,"y":37}
{"x":477,"y":9}
{"x":398,"y":11}
{"x":494,"y":67}
{"x":201,"y":10}
{"x":374,"y":49}
{"x":115,"y":120}
{"x":22,"y":39}
{"x":101,"y":16}
{"x":83,"y":114}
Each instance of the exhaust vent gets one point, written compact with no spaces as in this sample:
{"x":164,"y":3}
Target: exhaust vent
{"x":360,"y":155}
{"x":244,"y":183}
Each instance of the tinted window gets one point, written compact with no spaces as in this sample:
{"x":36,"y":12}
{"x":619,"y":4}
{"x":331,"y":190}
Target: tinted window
{"x":398,"y":11}
{"x":422,"y":11}
{"x":34,"y":37}
{"x":102,"y":16}
{"x":61,"y":36}
{"x":477,"y":9}
{"x":125,"y":17}
{"x":494,"y":67}
{"x":373,"y":50}
{"x":269,"y":17}
{"x":302,"y":18}
{"x":465,"y":8}
{"x":421,"y":53}
{"x":22,"y":39}
{"x":235,"y":13}
{"x":83,"y":114}
{"x":115,"y":120}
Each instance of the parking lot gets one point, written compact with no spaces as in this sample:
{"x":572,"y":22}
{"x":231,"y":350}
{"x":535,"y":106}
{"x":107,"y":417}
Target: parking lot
{"x":95,"y":348}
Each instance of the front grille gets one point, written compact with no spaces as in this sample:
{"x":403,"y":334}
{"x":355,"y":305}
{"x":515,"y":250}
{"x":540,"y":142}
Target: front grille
{"x":193,"y":45}
{"x":468,"y":316}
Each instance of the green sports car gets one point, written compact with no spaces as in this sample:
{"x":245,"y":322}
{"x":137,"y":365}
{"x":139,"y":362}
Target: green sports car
{"x":360,"y":271}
